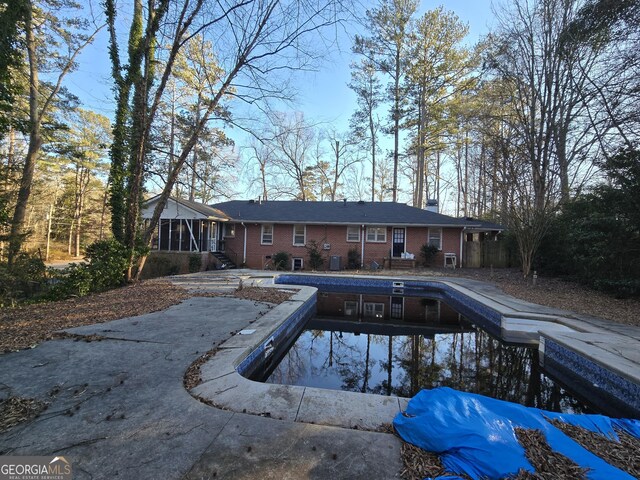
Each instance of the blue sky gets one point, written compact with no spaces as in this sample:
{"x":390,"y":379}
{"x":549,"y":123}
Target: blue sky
{"x":324,"y":96}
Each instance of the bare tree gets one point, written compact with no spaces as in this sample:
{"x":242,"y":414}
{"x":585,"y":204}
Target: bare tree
{"x":293,"y":143}
{"x":357,"y":182}
{"x":257,"y":41}
{"x":260,"y":154}
{"x":364,"y":122}
{"x":547,"y":113}
{"x":343,"y":157}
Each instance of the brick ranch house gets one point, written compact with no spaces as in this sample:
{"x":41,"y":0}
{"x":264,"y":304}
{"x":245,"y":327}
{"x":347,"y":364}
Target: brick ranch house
{"x":249,"y":232}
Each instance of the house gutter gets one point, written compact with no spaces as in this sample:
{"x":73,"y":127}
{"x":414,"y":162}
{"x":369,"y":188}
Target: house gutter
{"x":244,"y":246}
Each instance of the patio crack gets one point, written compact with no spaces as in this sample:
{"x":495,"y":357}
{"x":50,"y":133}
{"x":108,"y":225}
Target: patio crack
{"x":300,"y":404}
{"x":94,"y":337}
{"x":206,"y":449}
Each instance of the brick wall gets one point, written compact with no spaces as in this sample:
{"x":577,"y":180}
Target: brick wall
{"x":160,"y":263}
{"x":414,"y":308}
{"x":336,"y":236}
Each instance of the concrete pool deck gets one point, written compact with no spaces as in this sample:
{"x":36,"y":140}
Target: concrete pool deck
{"x":118,"y":407}
{"x":609,"y":359}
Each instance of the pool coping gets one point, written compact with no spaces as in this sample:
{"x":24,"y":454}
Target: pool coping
{"x":225,"y":387}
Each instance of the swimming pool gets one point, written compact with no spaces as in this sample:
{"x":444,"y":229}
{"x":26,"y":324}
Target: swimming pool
{"x":226,"y":376}
{"x":391,"y":344}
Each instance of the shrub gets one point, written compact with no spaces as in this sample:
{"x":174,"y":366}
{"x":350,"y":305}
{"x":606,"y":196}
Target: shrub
{"x":353,"y":259}
{"x":73,"y":281}
{"x":427,"y":253}
{"x":107,"y":263}
{"x":195,"y":263}
{"x":156,"y":266}
{"x":25,"y":280}
{"x":280,"y":260}
{"x":316,"y":260}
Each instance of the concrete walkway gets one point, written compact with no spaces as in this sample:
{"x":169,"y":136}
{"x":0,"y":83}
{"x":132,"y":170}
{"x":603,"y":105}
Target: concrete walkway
{"x":118,"y":407}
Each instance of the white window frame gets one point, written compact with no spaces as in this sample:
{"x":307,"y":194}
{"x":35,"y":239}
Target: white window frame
{"x":376,"y":231}
{"x":431,"y":236}
{"x":373,"y":310}
{"x":262,"y":234}
{"x":351,"y":306}
{"x":350,"y":229}
{"x":225,"y":230}
{"x":304,"y":235}
{"x":293,"y":263}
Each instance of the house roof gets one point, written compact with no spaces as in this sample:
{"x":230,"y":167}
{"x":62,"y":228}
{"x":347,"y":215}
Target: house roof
{"x":340,"y":212}
{"x":483,"y":225}
{"x":200,"y":208}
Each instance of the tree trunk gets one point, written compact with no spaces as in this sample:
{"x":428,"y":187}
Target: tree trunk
{"x":459,"y":182}
{"x":35,"y":142}
{"x":420,"y":153}
{"x":396,"y":124}
{"x":438,"y":178}
{"x":81,"y":200}
{"x":465,"y":193}
{"x":372,"y":131}
{"x":11,"y":149}
{"x":70,"y":237}
{"x":49,"y":220}
{"x":194,"y":165}
{"x":105,"y":201}
{"x":263,"y":179}
{"x":138,"y":153}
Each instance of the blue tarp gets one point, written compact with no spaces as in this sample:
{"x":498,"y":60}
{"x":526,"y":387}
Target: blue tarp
{"x":475,"y":434}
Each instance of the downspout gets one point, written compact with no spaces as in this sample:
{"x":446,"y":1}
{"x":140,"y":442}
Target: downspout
{"x":461,"y":241}
{"x":244,"y":246}
{"x":362,"y":248}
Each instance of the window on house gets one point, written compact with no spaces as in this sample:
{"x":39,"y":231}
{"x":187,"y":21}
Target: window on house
{"x":375,"y":310}
{"x":297,"y":263}
{"x":397,"y":307}
{"x":229,"y":230}
{"x":353,"y":233}
{"x":432,"y":310}
{"x":377,"y":234}
{"x":435,"y":237}
{"x":300,"y":235}
{"x":350,"y":308}
{"x":267,"y":235}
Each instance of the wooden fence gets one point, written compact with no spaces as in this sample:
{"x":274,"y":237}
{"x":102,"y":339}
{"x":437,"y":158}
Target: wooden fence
{"x":486,"y":254}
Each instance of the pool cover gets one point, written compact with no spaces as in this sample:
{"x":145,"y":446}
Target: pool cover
{"x":475,"y":434}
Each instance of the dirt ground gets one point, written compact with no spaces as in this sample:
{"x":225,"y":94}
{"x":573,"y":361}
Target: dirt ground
{"x":28,"y":325}
{"x":558,"y":293}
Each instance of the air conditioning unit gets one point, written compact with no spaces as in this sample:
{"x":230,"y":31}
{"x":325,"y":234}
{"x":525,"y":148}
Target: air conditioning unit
{"x":326,"y":246}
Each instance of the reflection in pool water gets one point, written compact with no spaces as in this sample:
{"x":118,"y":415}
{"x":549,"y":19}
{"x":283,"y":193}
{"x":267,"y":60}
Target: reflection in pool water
{"x":393,"y":345}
